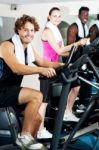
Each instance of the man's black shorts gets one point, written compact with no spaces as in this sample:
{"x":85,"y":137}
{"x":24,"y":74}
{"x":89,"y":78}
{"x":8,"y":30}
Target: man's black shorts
{"x":9,"y":97}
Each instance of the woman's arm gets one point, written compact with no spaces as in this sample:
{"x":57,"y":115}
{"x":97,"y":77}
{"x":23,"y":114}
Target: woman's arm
{"x":62,"y":51}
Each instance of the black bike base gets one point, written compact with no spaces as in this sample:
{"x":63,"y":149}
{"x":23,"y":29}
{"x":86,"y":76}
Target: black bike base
{"x":9,"y":147}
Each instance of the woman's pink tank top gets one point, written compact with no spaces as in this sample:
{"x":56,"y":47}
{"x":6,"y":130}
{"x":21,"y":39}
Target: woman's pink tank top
{"x":49,"y":53}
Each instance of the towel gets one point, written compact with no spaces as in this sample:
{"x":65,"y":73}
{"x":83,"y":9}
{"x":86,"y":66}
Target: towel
{"x":19,"y":50}
{"x":80,"y":28}
{"x":56,"y":32}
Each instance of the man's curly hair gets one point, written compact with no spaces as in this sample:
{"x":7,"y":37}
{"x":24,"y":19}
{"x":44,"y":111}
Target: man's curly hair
{"x":20,"y":22}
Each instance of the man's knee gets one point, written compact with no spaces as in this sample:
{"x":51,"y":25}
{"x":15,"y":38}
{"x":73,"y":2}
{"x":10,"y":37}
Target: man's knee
{"x":36,"y":98}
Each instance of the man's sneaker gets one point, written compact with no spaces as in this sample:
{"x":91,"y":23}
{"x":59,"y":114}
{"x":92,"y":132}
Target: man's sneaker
{"x":70,"y":117}
{"x":28,"y":142}
{"x":44,"y":134}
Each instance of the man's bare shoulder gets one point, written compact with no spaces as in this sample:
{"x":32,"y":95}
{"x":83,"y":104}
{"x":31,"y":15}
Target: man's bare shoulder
{"x":6,"y":44}
{"x":5,"y":48}
{"x":73,"y":27}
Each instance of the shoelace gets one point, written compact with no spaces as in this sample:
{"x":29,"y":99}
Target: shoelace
{"x":31,"y":138}
{"x":26,"y":138}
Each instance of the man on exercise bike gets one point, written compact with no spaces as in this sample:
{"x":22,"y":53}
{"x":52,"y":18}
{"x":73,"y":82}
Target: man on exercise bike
{"x":16,"y":56}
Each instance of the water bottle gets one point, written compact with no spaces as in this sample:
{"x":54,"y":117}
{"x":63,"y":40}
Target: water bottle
{"x":93,"y":89}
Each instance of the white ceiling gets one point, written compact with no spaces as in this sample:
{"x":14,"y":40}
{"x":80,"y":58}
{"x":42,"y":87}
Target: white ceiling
{"x":28,"y":1}
{"x":22,"y":2}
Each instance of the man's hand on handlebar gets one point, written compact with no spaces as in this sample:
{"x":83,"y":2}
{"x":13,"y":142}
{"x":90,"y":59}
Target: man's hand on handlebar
{"x":85,"y":41}
{"x":48,"y":72}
